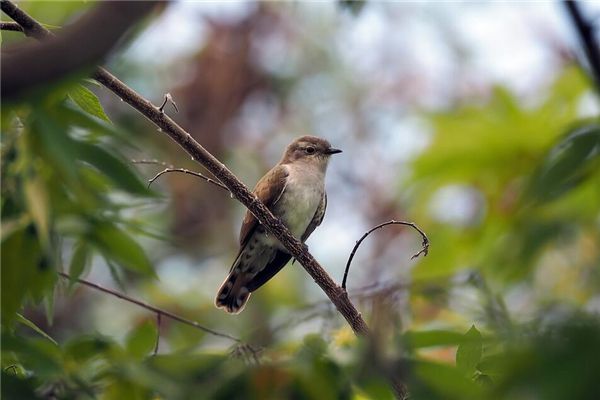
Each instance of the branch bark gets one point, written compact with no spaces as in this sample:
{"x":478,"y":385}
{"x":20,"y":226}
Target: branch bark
{"x":336,"y":294}
{"x":585,"y":30}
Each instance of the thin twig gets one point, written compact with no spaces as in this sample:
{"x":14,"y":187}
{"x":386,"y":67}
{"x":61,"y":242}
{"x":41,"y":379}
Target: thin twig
{"x":11,"y":26}
{"x":150,"y":307}
{"x":247,"y":353}
{"x":188,"y":172}
{"x":424,"y":250}
{"x":171,"y":168}
{"x":153,"y":161}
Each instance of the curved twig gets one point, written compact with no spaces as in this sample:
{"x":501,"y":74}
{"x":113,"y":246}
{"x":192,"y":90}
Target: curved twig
{"x":171,"y":168}
{"x":188,"y":172}
{"x":424,"y":250}
{"x":156,"y":310}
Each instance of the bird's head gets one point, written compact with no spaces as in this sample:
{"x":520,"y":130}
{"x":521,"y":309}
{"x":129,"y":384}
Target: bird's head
{"x":309,"y":149}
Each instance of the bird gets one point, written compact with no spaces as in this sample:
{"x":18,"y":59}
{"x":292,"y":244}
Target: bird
{"x":294,"y":191}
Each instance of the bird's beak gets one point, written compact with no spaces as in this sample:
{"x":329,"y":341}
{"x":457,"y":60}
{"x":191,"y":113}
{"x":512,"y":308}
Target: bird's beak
{"x":331,"y":150}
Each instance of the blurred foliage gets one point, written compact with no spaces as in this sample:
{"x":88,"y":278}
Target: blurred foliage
{"x":61,"y":181}
{"x":530,"y":175}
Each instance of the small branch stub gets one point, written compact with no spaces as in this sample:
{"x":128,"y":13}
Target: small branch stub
{"x":424,"y":245}
{"x":168,"y":99}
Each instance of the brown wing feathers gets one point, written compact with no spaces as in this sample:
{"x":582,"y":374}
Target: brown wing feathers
{"x":269,"y":189}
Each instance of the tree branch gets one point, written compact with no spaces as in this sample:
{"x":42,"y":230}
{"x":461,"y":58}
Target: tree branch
{"x":424,"y":250}
{"x":585,"y":30}
{"x":10,"y":26}
{"x":149,"y":307}
{"x":336,"y":294}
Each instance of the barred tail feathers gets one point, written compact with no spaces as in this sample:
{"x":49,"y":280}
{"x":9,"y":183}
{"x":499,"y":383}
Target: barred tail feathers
{"x":233,"y":294}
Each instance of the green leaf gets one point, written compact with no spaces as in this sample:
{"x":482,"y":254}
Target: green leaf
{"x":83,"y":348}
{"x":141,"y":341}
{"x":117,"y":170}
{"x":469,"y":352}
{"x":439,"y":381}
{"x":88,"y":101}
{"x":15,"y":387}
{"x":432,"y":338}
{"x":25,"y":272}
{"x":569,"y":162}
{"x":79,"y":261}
{"x":30,"y":324}
{"x":118,"y":246}
{"x":37,"y":203}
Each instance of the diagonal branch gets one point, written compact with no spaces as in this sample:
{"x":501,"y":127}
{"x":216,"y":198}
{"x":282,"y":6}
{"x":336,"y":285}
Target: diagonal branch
{"x":10,"y":26}
{"x":336,"y":294}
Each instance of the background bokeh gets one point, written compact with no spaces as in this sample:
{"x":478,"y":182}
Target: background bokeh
{"x":474,"y":120}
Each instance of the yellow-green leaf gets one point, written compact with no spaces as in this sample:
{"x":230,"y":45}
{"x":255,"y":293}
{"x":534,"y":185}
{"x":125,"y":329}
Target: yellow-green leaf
{"x":88,"y":101}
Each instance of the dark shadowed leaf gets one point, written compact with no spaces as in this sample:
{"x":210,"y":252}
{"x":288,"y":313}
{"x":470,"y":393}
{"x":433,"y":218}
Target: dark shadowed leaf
{"x":567,"y":164}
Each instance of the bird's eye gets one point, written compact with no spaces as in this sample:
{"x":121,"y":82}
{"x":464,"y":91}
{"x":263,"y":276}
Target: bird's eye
{"x":310,"y":150}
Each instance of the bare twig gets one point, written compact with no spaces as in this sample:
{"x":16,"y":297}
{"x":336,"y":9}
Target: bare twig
{"x":188,"y":172}
{"x":424,"y":250}
{"x":11,"y":26}
{"x":153,"y":161}
{"x":249,"y":354}
{"x":158,"y":318}
{"x":171,"y":168}
{"x":297,"y":249}
{"x":154,"y":309}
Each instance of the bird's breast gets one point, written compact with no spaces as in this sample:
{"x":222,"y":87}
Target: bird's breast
{"x":301,"y":198}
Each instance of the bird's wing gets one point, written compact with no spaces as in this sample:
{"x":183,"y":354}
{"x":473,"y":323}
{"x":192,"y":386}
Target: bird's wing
{"x":282,"y":257}
{"x":317,"y":218}
{"x":269,"y":190}
{"x":279,"y":260}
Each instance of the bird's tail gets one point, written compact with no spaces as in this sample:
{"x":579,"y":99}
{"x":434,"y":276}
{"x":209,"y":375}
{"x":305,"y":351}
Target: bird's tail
{"x":233,"y":294}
